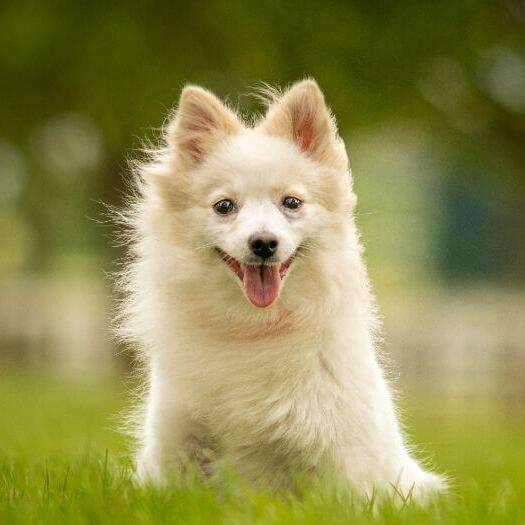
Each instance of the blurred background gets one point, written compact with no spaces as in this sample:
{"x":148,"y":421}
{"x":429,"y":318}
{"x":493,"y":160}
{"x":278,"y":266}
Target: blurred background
{"x":429,"y":96}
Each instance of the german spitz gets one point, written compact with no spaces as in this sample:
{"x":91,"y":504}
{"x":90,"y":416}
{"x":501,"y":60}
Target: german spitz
{"x":247,"y":293}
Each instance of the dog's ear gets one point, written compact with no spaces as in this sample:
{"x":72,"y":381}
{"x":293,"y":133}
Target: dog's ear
{"x":302,"y":116}
{"x":200,"y":123}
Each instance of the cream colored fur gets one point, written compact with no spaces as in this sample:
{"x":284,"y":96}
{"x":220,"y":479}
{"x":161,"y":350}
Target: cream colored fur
{"x":296,"y":386}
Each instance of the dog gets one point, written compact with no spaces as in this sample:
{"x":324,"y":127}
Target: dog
{"x":248,"y":296}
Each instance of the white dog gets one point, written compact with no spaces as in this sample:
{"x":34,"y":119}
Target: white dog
{"x":248,"y":294}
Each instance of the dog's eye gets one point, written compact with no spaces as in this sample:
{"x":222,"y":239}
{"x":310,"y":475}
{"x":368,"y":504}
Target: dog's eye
{"x":292,"y":203}
{"x":224,"y":207}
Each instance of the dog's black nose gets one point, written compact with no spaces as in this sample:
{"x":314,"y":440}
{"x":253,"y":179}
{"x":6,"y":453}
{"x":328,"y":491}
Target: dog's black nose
{"x":264,"y":245}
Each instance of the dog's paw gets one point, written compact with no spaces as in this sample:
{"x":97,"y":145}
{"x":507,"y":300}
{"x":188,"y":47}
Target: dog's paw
{"x":415,"y":485}
{"x":149,"y":471}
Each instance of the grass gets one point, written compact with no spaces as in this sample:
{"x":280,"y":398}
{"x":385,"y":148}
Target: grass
{"x":60,"y":462}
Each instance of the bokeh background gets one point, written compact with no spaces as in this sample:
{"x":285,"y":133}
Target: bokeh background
{"x":429,"y":96}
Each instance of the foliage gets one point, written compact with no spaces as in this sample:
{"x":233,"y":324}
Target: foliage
{"x":83,"y":84}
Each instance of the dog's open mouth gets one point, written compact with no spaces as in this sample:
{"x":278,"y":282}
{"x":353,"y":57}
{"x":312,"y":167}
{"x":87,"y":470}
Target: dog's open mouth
{"x":261,"y":282}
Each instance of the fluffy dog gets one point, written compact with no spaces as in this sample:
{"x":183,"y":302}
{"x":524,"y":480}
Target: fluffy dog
{"x":247,"y":292}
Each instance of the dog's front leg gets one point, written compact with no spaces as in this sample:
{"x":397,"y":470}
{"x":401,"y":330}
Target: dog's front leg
{"x":164,"y":429}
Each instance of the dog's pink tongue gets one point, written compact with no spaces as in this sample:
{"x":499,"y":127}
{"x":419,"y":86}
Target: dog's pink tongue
{"x":261,"y":284}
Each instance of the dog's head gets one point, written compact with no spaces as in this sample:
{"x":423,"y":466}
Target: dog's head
{"x":253,"y":202}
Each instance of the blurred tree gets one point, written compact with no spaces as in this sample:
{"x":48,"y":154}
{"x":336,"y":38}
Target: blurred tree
{"x":455,"y":70}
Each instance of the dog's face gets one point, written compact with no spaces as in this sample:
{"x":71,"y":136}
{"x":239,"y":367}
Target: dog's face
{"x":258,"y":210}
{"x":258,"y":198}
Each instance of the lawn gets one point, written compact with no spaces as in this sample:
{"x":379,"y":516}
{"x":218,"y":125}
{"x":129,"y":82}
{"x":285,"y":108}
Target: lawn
{"x":61,"y":462}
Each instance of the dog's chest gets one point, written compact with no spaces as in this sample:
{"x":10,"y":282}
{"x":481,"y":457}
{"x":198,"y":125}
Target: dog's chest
{"x":293,"y":406}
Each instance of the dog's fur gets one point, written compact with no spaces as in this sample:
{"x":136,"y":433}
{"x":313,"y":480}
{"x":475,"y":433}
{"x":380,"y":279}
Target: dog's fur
{"x":293,"y":386}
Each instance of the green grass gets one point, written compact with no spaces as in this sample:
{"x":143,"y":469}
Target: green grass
{"x":60,"y":462}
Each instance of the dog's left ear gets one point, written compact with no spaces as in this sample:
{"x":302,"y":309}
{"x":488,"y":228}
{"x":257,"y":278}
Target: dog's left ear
{"x":301,"y":115}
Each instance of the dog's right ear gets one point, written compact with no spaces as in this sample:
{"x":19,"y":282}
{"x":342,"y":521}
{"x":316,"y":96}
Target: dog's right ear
{"x":200,"y":123}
